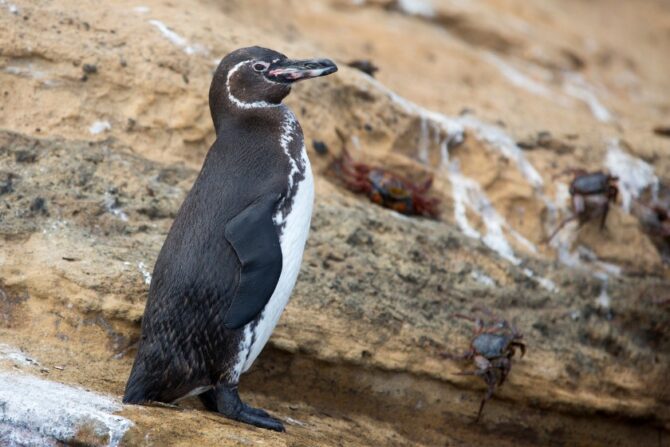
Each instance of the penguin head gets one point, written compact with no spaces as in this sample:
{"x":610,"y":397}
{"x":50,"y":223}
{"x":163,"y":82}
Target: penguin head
{"x":255,"y":77}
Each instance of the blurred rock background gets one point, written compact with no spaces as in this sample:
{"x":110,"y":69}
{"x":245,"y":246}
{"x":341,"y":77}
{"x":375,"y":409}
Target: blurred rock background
{"x":104,"y":124}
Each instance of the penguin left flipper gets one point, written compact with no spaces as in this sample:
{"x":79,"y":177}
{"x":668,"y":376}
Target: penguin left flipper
{"x":253,"y":236}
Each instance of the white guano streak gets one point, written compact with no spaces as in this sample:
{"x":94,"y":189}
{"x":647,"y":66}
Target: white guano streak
{"x":498,"y":139}
{"x":634,"y":175}
{"x":177,"y":40}
{"x":518,"y":78}
{"x":421,"y":8}
{"x":576,"y":86}
{"x":11,"y":7}
{"x":42,"y":412}
{"x":467,"y":194}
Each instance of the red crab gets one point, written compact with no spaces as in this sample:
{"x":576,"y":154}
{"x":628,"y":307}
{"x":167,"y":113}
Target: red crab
{"x":591,"y":193}
{"x":492,"y":347}
{"x":386,"y":188}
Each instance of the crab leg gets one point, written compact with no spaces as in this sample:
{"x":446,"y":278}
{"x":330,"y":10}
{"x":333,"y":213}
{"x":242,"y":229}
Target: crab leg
{"x":465,"y":356}
{"x":604,"y":216}
{"x":491,"y":382}
{"x":479,"y":324}
{"x":521,"y":346}
{"x":560,"y":227}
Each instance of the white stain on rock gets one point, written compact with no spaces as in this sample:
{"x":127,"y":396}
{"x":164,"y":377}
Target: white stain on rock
{"x":450,"y":130}
{"x":467,"y":193}
{"x":518,"y":78}
{"x":576,"y":86}
{"x":178,"y":40}
{"x":634,"y":175}
{"x":112,"y":206}
{"x":482,"y":278}
{"x":99,"y":127}
{"x":422,"y":8}
{"x":501,"y":141}
{"x":546,"y":283}
{"x":11,"y":7}
{"x":16,"y":356}
{"x":40,"y":412}
{"x":31,"y":72}
{"x":603,"y":300}
{"x":146,"y":274}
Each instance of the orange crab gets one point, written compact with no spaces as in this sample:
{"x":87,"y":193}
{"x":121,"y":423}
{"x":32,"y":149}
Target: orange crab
{"x":386,"y":188}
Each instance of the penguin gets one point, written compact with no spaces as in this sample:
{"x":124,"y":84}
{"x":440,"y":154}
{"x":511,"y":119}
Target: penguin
{"x":231,"y":258}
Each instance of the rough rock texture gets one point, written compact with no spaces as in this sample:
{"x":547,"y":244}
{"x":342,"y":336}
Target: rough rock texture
{"x":105,"y":124}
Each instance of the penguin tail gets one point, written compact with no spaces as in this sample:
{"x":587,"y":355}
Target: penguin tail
{"x":147,"y":386}
{"x":136,"y":388}
{"x":134,"y":396}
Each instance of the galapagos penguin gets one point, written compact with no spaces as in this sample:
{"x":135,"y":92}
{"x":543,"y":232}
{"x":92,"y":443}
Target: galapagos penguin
{"x":232,"y":256}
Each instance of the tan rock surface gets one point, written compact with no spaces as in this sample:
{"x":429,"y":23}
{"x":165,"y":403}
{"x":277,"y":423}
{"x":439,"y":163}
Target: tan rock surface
{"x":356,"y":358}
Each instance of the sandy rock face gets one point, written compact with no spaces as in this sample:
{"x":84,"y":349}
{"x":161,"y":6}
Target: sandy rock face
{"x":105,"y":124}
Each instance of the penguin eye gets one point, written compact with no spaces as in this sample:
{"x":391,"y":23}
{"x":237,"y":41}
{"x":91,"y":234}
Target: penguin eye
{"x":260,"y":66}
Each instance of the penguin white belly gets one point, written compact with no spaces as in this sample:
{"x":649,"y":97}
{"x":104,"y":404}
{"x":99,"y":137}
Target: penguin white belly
{"x":292,"y":241}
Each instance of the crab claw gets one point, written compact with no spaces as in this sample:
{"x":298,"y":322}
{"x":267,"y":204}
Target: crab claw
{"x":521,"y":346}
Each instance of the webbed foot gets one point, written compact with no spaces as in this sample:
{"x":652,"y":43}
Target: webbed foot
{"x":229,"y":404}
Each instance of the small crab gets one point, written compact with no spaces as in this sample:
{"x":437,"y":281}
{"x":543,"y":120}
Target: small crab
{"x":591,"y":193}
{"x":492,"y":347}
{"x":364,"y":65}
{"x":386,"y":188}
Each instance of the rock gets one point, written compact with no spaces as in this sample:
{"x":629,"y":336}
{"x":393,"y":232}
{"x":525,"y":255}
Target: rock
{"x":378,"y":308}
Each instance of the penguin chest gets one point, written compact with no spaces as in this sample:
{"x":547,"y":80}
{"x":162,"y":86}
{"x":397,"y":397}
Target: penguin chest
{"x":295,"y":229}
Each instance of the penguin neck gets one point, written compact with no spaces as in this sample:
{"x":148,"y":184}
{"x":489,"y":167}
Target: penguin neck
{"x":273,"y":116}
{"x":288,"y":132}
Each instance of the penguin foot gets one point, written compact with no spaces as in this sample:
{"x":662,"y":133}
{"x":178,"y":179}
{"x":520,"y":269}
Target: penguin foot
{"x":256,"y":411}
{"x":229,"y":404}
{"x":208,"y":399}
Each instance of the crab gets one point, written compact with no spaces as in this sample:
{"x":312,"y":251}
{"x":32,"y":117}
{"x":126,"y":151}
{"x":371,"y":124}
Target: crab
{"x":492,"y":346}
{"x":386,"y":188}
{"x":364,"y":65}
{"x":591,"y":194}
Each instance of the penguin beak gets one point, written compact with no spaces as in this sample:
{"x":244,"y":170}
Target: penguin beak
{"x":288,"y":71}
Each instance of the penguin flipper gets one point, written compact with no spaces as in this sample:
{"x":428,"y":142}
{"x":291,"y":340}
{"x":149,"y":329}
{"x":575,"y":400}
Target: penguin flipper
{"x":254,"y":238}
